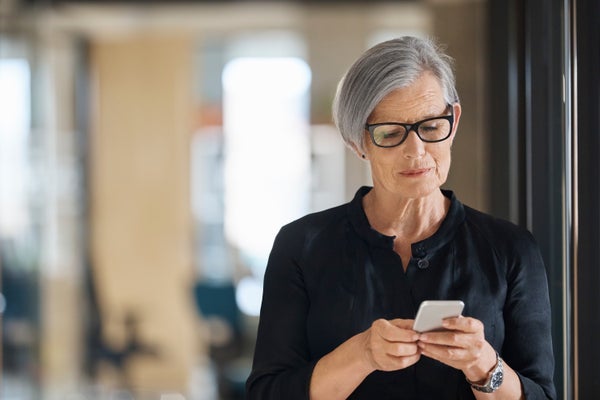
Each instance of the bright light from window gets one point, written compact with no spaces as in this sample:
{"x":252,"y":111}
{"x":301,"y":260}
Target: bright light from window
{"x":14,"y":129}
{"x":267,"y":150}
{"x":248,"y":295}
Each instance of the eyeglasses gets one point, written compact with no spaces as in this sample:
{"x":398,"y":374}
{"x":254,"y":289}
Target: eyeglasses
{"x":430,"y":130}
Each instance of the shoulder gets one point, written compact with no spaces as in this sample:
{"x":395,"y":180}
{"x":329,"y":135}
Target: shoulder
{"x":315,"y":223}
{"x":508,"y":240}
{"x":298,"y":234}
{"x":495,"y":228}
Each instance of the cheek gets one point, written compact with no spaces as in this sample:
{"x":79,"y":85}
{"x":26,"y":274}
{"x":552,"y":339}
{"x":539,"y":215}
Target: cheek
{"x":381,"y":168}
{"x":442,"y":161}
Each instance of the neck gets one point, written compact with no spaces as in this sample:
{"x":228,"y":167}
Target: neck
{"x":412,"y":219}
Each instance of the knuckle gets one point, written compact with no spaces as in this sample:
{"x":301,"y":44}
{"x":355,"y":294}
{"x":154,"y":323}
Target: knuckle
{"x":402,"y":349}
{"x":452,"y":354}
{"x":379,"y":325}
{"x":477,"y":348}
{"x":479,"y":344}
{"x":475,"y":324}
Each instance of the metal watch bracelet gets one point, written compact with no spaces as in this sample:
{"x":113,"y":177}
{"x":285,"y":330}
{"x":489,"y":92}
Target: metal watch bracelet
{"x":494,"y":380}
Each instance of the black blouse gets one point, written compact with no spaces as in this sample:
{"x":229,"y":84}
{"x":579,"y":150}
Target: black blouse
{"x":330,"y":275}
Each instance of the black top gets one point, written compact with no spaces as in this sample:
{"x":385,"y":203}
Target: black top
{"x":330,"y":275}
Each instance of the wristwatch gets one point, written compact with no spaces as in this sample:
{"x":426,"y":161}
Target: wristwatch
{"x":494,"y":380}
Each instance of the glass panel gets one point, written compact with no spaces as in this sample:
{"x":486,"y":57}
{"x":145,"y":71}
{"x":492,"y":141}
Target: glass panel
{"x":267,"y":153}
{"x":19,"y":245}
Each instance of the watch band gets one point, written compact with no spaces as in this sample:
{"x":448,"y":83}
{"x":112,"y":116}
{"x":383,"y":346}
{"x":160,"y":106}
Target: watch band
{"x":494,"y":380}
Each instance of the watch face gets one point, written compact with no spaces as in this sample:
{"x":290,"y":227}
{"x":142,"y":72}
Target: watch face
{"x":496,"y":380}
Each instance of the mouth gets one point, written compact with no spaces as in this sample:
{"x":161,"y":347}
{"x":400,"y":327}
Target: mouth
{"x":417,"y":172}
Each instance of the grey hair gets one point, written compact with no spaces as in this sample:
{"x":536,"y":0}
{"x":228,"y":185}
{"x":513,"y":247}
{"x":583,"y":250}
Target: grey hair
{"x":387,"y":66}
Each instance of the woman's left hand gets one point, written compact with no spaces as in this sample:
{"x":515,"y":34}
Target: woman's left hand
{"x":462,"y":346}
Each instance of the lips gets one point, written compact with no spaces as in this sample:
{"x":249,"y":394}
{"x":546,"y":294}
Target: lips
{"x":415,"y":172}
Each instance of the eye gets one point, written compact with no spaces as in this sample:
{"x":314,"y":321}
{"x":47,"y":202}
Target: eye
{"x":430,"y":127}
{"x":392,"y":134}
{"x":434,"y":130}
{"x":389,"y":131}
{"x":389,"y":135}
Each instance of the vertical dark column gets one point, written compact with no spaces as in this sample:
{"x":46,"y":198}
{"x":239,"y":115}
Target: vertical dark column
{"x":530,"y":146}
{"x":506,"y":99}
{"x":547,"y":164}
{"x":587,"y":29}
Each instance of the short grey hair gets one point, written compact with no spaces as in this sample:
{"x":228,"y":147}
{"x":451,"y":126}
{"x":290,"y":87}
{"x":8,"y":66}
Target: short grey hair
{"x":387,"y":66}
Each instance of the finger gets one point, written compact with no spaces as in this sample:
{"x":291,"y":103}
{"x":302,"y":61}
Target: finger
{"x":403,"y":323}
{"x":445,"y":354}
{"x":464,"y":324}
{"x":404,"y":362}
{"x":400,"y":349}
{"x":391,"y":363}
{"x":445,"y":338}
{"x":470,"y":341}
{"x":453,"y":346}
{"x":392,"y":333}
{"x":389,"y":356}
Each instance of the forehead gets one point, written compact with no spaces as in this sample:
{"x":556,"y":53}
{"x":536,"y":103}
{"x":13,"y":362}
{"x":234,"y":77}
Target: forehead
{"x":422,"y":99}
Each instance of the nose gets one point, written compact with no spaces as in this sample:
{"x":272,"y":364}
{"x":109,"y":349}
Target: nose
{"x":413,"y":146}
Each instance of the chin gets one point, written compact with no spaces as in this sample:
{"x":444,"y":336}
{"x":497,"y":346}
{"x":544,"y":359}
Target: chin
{"x":418,"y":191}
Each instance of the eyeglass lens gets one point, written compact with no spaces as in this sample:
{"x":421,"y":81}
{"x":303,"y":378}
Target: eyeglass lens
{"x":433,"y":130}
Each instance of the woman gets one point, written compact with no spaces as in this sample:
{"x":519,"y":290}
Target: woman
{"x":342,"y":286}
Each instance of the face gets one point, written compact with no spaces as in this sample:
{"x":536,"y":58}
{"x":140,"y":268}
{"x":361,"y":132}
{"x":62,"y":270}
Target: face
{"x":413,"y":169}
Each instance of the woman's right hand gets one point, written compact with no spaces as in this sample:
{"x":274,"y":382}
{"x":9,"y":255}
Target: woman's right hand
{"x":390,"y":345}
{"x":385,"y":346}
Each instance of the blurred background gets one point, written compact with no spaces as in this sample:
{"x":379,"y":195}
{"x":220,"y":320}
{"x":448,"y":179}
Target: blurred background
{"x":150,"y":151}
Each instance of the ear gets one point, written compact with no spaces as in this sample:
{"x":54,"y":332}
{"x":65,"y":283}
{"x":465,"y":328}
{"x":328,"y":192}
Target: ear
{"x":457,"y":112}
{"x":358,"y":151}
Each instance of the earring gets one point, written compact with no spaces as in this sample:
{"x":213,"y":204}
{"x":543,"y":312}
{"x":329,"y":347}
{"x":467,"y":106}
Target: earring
{"x":364,"y":157}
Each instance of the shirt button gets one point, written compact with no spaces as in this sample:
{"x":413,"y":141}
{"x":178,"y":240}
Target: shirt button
{"x":423,"y":263}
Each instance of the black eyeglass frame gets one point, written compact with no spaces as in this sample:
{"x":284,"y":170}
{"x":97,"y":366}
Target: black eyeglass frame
{"x":413,"y":127}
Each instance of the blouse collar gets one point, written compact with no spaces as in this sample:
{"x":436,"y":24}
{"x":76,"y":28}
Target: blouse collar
{"x":454,"y":218}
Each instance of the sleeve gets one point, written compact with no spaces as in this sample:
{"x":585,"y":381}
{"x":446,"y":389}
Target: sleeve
{"x":528,"y":341}
{"x":282,"y":368}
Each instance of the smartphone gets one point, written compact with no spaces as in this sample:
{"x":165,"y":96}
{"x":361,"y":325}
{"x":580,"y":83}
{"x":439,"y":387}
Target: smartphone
{"x":432,"y":312}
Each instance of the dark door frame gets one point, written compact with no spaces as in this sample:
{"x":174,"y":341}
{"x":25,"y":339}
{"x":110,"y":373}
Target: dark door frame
{"x":545,"y":94}
{"x":586,"y":128}
{"x":531,"y":184}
